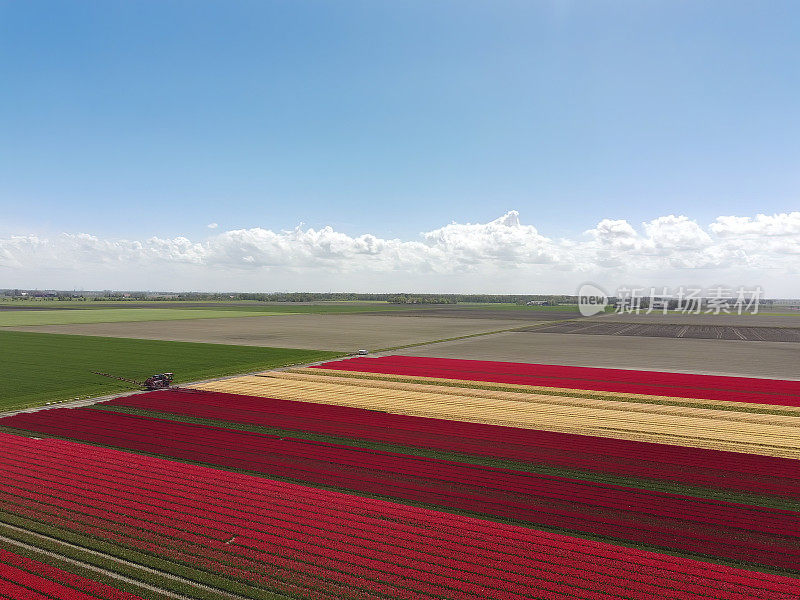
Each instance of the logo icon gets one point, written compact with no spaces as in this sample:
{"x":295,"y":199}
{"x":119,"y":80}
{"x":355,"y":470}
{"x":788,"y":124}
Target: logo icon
{"x":591,"y":300}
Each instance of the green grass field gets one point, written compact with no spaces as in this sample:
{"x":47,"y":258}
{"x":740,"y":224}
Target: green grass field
{"x":16,"y":318}
{"x":38,"y":367}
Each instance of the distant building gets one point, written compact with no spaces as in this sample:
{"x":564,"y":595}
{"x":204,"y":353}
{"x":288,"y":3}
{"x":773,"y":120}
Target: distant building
{"x":791,"y":303}
{"x":660,"y":303}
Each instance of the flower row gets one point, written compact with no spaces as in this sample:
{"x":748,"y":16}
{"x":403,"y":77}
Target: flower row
{"x":710,"y":387}
{"x":739,"y":532}
{"x":279,"y":543}
{"x":692,"y":466}
{"x":22,"y":577}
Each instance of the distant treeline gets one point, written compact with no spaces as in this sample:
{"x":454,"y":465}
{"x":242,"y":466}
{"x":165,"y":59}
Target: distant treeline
{"x":403,"y":298}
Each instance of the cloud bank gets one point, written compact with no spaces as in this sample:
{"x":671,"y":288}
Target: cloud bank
{"x":501,"y":256}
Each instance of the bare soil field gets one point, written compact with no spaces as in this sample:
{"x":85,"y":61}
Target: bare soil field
{"x":757,"y":320}
{"x":674,"y":330}
{"x":717,"y":357}
{"x":489,"y":313}
{"x":328,"y":332}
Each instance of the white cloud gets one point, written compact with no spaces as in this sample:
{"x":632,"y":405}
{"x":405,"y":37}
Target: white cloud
{"x":784,"y":224}
{"x":212,"y":225}
{"x":500,"y":256}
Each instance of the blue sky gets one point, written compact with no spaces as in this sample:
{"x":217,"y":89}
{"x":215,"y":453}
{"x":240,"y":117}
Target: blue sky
{"x":139,"y":119}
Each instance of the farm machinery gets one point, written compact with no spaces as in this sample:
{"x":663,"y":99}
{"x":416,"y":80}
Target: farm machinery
{"x":161,"y":381}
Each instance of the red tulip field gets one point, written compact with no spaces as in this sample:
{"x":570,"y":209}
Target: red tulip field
{"x":402,"y":477}
{"x":22,"y":577}
{"x":711,"y":387}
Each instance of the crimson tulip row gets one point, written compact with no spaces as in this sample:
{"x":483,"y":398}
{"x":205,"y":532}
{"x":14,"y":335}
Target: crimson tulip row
{"x":588,"y":552}
{"x":219,"y":444}
{"x":712,"y":382}
{"x":406,"y":571}
{"x":22,"y":577}
{"x":316,"y":535}
{"x":281,"y":532}
{"x":691,"y":466}
{"x":392,"y":580}
{"x":199,"y":520}
{"x":293,"y":584}
{"x":148,"y":535}
{"x":252,"y":490}
{"x":340,"y":455}
{"x":738,"y":532}
{"x":752,"y":393}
